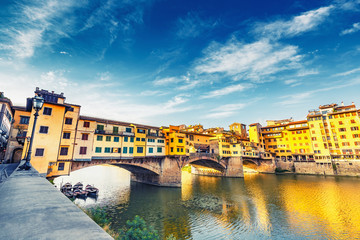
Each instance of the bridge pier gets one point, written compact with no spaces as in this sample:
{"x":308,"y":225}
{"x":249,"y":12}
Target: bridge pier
{"x":234,"y":167}
{"x":169,"y":176}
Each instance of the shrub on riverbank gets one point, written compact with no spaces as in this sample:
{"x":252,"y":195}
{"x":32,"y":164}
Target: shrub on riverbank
{"x":136,"y":229}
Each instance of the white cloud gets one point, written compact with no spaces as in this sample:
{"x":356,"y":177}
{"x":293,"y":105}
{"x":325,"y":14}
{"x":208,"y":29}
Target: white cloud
{"x":306,"y":96}
{"x":253,"y":61}
{"x":307,"y":72}
{"x":35,"y":25}
{"x":355,"y":28}
{"x":227,"y":90}
{"x":293,"y":82}
{"x":192,"y":25}
{"x":347,"y":72}
{"x":104,"y":76}
{"x":166,"y":81}
{"x":227,"y":110}
{"x":307,"y":21}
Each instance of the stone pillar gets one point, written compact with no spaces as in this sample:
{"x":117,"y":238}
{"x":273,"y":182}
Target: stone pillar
{"x":170,"y":175}
{"x":234,"y":167}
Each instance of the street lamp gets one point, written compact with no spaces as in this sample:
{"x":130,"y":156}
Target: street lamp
{"x":38,"y":103}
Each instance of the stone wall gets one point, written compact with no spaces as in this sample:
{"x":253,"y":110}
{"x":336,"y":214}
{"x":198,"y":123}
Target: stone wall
{"x":338,"y":168}
{"x":234,"y":167}
{"x":289,"y":166}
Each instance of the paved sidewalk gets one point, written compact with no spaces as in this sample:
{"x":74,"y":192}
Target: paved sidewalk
{"x":32,"y":208}
{"x":9,"y":168}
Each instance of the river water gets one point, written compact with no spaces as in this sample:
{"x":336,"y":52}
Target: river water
{"x":258,"y":206}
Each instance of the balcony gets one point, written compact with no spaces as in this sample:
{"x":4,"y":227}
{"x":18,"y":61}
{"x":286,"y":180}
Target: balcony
{"x":114,"y":133}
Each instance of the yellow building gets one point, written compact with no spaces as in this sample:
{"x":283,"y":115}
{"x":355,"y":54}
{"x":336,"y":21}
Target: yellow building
{"x":174,"y":140}
{"x":335,"y":132}
{"x":239,"y":129}
{"x":47,"y":152}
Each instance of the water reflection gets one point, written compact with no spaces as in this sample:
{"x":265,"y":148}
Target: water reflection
{"x":255,"y":207}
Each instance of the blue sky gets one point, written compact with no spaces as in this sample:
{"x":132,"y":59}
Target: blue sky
{"x":183,"y":62}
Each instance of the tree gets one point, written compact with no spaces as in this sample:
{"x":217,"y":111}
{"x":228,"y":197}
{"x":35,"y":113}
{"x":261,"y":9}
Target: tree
{"x":138,"y":230}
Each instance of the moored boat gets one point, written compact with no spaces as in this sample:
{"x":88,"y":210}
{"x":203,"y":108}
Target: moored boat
{"x":80,"y":193}
{"x":69,"y":194}
{"x":91,"y":191}
{"x":79,"y":186}
{"x":66,"y":187}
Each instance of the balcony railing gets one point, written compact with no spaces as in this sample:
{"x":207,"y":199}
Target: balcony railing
{"x":114,"y":133}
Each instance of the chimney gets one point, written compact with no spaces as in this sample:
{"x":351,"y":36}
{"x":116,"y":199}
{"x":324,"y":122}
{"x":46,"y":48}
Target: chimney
{"x":352,"y":103}
{"x":342,"y":104}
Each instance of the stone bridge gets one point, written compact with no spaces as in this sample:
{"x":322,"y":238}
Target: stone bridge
{"x":166,"y":170}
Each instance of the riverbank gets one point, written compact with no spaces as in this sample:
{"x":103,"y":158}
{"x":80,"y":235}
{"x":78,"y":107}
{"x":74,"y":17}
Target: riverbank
{"x":32,"y":208}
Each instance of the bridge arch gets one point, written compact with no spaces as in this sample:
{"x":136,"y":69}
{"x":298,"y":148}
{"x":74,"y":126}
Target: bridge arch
{"x":208,"y":162}
{"x":132,"y":166}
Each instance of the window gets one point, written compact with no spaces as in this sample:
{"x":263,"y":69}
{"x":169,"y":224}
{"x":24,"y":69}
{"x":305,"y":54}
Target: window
{"x":119,"y":150}
{"x":128,"y":130}
{"x":68,"y":121}
{"x":100,"y":127}
{"x":139,"y":149}
{"x":131,"y":139}
{"x":131,"y":150}
{"x":24,"y":120}
{"x":354,"y":128}
{"x":126,"y":139}
{"x":159,"y":149}
{"x":115,"y":129}
{"x":138,"y":139}
{"x":125,"y":149}
{"x":181,"y":141}
{"x":84,"y":136}
{"x":61,"y":166}
{"x":47,"y":111}
{"x":346,"y":144}
{"x":355,"y":135}
{"x":342,"y":129}
{"x":39,"y":152}
{"x":172,"y":140}
{"x":99,"y":138}
{"x":178,"y":150}
{"x":64,"y":151}
{"x":66,"y":135}
{"x":107,"y":150}
{"x":98,"y":149}
{"x":44,"y":129}
{"x":141,"y":131}
{"x":342,"y":136}
{"x":151,"y":140}
{"x":171,"y":149}
{"x":83,"y":150}
{"x":143,"y":139}
{"x":352,"y":121}
{"x":116,"y":139}
{"x":86,"y":124}
{"x":151,"y":150}
{"x":108,"y":138}
{"x":160,"y":141}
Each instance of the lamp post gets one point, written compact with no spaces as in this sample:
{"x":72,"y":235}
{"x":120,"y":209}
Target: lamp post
{"x":38,"y":103}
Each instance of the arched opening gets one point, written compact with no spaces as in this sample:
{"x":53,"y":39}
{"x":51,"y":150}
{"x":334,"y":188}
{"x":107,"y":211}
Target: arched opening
{"x":16,"y":156}
{"x":207,"y":167}
{"x":250,"y":166}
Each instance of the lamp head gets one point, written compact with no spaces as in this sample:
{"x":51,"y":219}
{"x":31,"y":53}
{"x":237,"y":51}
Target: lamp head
{"x":38,"y":102}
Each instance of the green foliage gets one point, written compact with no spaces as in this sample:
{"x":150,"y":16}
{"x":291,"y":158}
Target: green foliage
{"x":99,"y":216}
{"x":51,"y":181}
{"x":137,"y":230}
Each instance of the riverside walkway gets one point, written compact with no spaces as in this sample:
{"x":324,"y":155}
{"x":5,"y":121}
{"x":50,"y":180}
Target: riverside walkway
{"x":32,"y":208}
